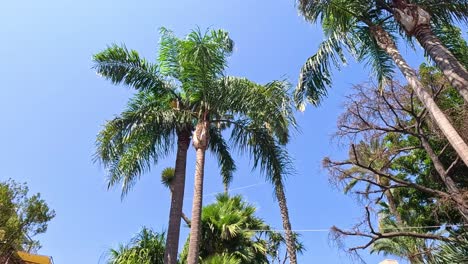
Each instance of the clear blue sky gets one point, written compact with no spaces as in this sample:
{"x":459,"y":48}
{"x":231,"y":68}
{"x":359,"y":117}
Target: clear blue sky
{"x":52,"y":105}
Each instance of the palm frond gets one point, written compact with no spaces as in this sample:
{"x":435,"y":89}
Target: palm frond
{"x":269,"y":105}
{"x":169,"y":49}
{"x":129,"y":144}
{"x":369,"y":51}
{"x":220,"y":149}
{"x":445,"y":11}
{"x":203,"y":57}
{"x":268,"y":155}
{"x":120,"y":65}
{"x":315,"y":75}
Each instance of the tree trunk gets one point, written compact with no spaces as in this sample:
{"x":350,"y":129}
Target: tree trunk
{"x":386,"y":43}
{"x":200,"y":142}
{"x":289,"y":237}
{"x":449,"y":183}
{"x":416,"y":22}
{"x":177,"y":198}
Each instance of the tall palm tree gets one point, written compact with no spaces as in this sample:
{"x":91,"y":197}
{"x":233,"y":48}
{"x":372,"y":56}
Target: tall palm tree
{"x":190,"y":91}
{"x":147,"y":247}
{"x":416,"y":17}
{"x":357,"y":27}
{"x":257,"y":115}
{"x":158,"y":117}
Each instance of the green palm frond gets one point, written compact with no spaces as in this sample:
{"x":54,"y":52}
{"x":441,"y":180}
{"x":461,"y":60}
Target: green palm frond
{"x":453,"y":252}
{"x":368,"y":50}
{"x":221,"y":150}
{"x":445,"y":11}
{"x":267,"y":154}
{"x":315,"y":75}
{"x":120,"y":65}
{"x":268,"y":105}
{"x":222,"y":259}
{"x":203,"y":58}
{"x":169,"y":49}
{"x":144,"y":133}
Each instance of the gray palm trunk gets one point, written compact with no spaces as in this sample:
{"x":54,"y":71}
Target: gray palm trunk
{"x":416,"y":22}
{"x":177,"y":199}
{"x":289,"y":237}
{"x":386,"y":43}
{"x":200,"y":143}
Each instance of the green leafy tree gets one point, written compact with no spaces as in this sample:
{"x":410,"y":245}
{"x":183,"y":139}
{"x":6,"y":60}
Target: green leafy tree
{"x":403,"y":166}
{"x":358,"y":27}
{"x":22,"y":217}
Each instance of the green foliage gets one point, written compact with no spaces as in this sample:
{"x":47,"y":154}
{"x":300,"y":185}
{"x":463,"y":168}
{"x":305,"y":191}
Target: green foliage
{"x":452,"y":38}
{"x":22,"y":217}
{"x":386,"y":130}
{"x":167,"y":176}
{"x":147,"y":247}
{"x":188,"y":80}
{"x":232,"y":233}
{"x":222,"y":259}
{"x":346,"y":25}
{"x":452,"y":252}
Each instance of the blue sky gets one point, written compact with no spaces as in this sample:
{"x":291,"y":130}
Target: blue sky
{"x":52,"y":105}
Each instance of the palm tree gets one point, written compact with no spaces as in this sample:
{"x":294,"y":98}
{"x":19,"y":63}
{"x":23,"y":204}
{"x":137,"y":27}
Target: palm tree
{"x":257,"y":115}
{"x":416,"y":19}
{"x":187,"y":90}
{"x":156,"y":118}
{"x":230,"y":228}
{"x":357,"y":27}
{"x":147,"y":247}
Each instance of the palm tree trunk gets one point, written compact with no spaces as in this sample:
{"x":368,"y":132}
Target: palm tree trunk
{"x":388,"y":45}
{"x":200,"y":142}
{"x":416,"y":22}
{"x":289,"y":237}
{"x":177,"y":198}
{"x":450,"y":66}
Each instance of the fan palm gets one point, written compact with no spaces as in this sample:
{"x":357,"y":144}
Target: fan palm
{"x":357,"y":26}
{"x":229,"y":228}
{"x":147,"y":247}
